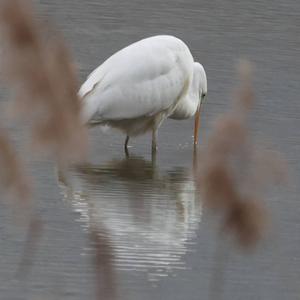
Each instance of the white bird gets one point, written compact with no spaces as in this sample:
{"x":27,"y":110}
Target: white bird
{"x":140,"y":86}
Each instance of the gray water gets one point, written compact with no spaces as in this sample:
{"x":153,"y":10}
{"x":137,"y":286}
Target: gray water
{"x":156,"y":240}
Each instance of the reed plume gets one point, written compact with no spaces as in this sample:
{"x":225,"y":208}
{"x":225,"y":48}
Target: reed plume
{"x":233,"y":172}
{"x":39,"y":69}
{"x":12,"y":178}
{"x":37,"y":66}
{"x":103,"y":264}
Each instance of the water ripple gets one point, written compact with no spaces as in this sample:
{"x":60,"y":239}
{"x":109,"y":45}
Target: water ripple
{"x":149,"y":217}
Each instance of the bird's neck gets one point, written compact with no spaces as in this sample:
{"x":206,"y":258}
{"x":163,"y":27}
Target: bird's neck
{"x":192,"y":101}
{"x":187,"y":106}
{"x":192,"y":98}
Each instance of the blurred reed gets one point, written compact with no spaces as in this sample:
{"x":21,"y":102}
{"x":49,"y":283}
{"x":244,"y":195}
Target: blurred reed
{"x":38,"y":67}
{"x":106,"y":287}
{"x":12,"y":177}
{"x":233,"y":176}
{"x":234,"y":172}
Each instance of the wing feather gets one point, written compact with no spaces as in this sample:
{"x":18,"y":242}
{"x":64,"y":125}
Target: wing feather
{"x":140,"y":80}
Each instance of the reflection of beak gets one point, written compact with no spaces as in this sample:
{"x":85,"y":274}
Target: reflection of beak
{"x":197,"y":123}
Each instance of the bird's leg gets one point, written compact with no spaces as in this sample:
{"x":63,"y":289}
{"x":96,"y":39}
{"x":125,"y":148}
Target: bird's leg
{"x":126,"y":146}
{"x":155,"y":173}
{"x":157,"y":121}
{"x":154,"y":140}
{"x":153,"y":159}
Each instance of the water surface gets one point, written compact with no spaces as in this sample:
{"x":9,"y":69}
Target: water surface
{"x":156,"y":240}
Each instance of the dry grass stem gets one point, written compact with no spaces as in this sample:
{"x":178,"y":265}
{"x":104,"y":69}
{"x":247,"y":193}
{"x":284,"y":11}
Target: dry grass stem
{"x":34,"y":233}
{"x":102,"y":261}
{"x":12,"y":177}
{"x":38,"y":67}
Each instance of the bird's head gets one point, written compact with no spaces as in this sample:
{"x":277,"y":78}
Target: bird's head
{"x":201,"y":81}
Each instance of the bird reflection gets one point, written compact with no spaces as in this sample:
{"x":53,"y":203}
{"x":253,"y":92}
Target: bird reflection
{"x":149,"y":216}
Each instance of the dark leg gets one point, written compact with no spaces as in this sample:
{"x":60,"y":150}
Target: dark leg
{"x":153,"y":158}
{"x":126,"y":146}
{"x":154,"y":140}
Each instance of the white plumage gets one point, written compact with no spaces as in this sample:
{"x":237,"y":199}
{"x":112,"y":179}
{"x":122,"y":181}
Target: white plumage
{"x":139,"y":86}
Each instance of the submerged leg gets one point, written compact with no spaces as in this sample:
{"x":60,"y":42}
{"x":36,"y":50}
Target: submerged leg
{"x":154,"y":140}
{"x":157,"y":122}
{"x":126,"y":146}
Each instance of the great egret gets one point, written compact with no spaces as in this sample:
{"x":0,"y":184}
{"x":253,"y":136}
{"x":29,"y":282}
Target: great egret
{"x":140,"y":86}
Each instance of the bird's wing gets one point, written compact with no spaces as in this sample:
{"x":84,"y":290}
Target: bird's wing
{"x":140,"y":80}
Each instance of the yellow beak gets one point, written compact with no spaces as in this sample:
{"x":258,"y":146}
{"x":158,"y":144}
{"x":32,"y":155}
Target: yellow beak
{"x":197,"y":123}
